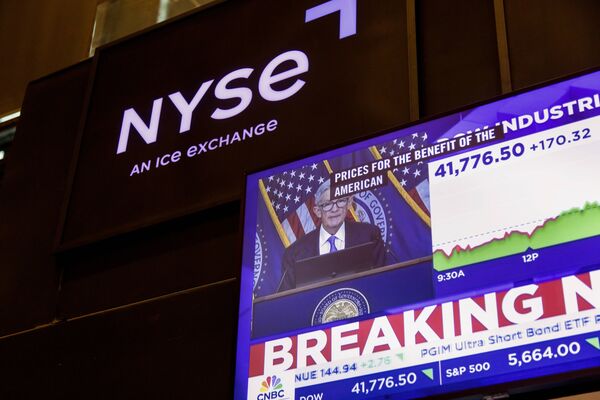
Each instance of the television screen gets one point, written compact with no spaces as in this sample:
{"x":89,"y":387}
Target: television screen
{"x":455,"y":253}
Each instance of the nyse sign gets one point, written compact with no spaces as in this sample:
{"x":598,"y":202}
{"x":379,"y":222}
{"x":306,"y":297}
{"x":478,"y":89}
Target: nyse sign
{"x":222,"y":91}
{"x":259,"y":81}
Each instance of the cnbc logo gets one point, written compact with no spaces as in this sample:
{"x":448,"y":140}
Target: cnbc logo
{"x":271,"y":388}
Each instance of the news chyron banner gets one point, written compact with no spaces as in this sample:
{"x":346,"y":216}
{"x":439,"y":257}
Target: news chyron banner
{"x":456,"y":253}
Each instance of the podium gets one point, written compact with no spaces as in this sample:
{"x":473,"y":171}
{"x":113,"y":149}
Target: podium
{"x":375,"y":291}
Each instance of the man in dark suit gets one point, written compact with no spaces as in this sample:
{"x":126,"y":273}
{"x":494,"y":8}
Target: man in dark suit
{"x":333,"y":234}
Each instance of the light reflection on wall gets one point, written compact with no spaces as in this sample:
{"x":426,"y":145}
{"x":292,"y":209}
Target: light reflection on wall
{"x":118,"y":18}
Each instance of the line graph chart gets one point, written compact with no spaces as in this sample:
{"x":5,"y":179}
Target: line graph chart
{"x":528,"y":193}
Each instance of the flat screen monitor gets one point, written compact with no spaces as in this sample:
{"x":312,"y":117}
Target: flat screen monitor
{"x":455,"y":253}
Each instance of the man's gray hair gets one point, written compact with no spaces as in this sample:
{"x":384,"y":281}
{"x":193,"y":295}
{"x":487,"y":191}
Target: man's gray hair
{"x":321,"y":190}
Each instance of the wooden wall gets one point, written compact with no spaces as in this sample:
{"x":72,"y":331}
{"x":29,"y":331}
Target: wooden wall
{"x":38,"y":38}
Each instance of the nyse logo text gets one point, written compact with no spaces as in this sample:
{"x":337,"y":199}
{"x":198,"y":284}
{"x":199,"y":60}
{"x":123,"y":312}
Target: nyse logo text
{"x":288,"y":65}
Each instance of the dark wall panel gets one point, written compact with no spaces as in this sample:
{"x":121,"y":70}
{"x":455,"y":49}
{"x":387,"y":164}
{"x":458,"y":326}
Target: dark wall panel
{"x":457,"y":54}
{"x":180,"y":347}
{"x":32,"y":194}
{"x":353,"y":87}
{"x":174,"y":256}
{"x":551,"y":38}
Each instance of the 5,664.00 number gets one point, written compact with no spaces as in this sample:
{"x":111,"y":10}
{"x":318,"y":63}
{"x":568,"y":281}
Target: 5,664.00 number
{"x":562,"y":350}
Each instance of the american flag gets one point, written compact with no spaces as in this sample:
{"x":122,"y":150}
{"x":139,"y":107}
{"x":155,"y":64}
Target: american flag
{"x":414,"y":178}
{"x":292,"y":196}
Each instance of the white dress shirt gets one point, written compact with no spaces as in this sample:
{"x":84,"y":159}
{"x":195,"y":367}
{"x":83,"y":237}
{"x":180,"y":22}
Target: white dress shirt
{"x":340,"y":239}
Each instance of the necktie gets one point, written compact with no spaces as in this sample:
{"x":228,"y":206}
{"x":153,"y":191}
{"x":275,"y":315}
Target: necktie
{"x":331,"y":241}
